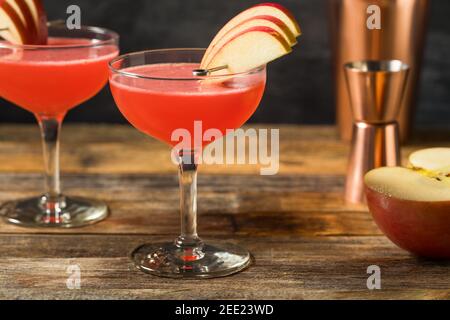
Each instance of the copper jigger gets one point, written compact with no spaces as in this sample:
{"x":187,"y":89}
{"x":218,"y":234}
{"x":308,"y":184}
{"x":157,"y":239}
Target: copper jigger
{"x":376,"y":90}
{"x":402,"y":36}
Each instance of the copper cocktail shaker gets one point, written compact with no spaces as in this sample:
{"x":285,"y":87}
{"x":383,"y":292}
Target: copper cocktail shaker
{"x":402,"y":36}
{"x":376,"y":90}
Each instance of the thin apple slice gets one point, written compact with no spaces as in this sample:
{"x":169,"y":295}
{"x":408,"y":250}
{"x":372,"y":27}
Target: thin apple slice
{"x":264,"y":9}
{"x":24,"y":12}
{"x":250,"y":49}
{"x":277,"y":8}
{"x":40,"y":19}
{"x":258,"y":21}
{"x":14,"y":29}
{"x":23,"y":22}
{"x":431,"y":160}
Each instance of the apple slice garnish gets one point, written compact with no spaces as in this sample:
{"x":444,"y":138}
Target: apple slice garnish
{"x":40,"y":19}
{"x":12,"y":27}
{"x":265,"y":9}
{"x":258,"y":21}
{"x":281,"y":12}
{"x":432,"y":162}
{"x":411,"y":206}
{"x":250,"y":49}
{"x":23,"y":22}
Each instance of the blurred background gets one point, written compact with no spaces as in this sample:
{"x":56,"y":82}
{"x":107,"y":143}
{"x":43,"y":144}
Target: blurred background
{"x":300,"y":86}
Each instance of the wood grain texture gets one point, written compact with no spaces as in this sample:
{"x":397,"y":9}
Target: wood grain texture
{"x":307,"y":243}
{"x":290,"y":268}
{"x":122,"y":149}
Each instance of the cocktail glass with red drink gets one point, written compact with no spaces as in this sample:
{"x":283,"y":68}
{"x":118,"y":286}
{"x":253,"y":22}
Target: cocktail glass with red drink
{"x":167,"y":93}
{"x":158,"y":94}
{"x":49,"y":80}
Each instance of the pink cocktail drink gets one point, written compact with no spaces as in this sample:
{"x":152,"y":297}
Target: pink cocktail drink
{"x":51,"y":81}
{"x":158,"y":107}
{"x":161,"y":95}
{"x":48,"y":80}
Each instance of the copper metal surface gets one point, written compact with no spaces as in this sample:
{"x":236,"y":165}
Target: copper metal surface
{"x":376,"y":90}
{"x":373,"y":146}
{"x":402,"y":35}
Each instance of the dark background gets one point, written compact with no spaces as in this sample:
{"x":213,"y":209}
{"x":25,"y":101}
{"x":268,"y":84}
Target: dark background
{"x":299,"y":86}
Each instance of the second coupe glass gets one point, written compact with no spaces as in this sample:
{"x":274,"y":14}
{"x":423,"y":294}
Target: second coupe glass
{"x":48,"y":80}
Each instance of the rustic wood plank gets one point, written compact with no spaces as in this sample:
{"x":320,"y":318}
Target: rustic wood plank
{"x":294,"y":268}
{"x":122,"y":149}
{"x":256,"y":205}
{"x":308,"y":244}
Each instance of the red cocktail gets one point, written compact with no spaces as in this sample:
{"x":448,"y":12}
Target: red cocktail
{"x":158,"y":93}
{"x":158,"y":107}
{"x":54,"y":78}
{"x":48,"y":80}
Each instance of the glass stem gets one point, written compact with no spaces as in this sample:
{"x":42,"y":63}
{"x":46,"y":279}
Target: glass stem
{"x":50,"y":126}
{"x":188,"y":201}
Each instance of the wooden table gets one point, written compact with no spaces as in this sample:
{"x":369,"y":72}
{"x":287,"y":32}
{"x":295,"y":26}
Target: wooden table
{"x":307,"y":242}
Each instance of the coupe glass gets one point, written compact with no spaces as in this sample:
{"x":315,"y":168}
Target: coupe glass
{"x":158,"y":94}
{"x":48,"y":80}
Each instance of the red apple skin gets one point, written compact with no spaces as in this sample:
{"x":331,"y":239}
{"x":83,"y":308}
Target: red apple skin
{"x":284,"y":9}
{"x":267,"y":30}
{"x":41,"y":24}
{"x":30,"y":23}
{"x":276,"y":21}
{"x":422,"y":228}
{"x":24,"y":37}
{"x":33,"y":32}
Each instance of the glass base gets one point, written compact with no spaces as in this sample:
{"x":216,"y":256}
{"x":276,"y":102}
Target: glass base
{"x":205,"y":261}
{"x":67,"y":212}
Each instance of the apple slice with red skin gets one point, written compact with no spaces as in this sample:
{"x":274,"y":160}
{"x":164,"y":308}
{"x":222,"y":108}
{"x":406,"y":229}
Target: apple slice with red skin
{"x":250,"y":49}
{"x":258,"y":21}
{"x":40,"y":19}
{"x":24,"y":12}
{"x":264,"y":9}
{"x":13,"y":28}
{"x":23,"y":22}
{"x":291,"y":22}
{"x":411,"y":209}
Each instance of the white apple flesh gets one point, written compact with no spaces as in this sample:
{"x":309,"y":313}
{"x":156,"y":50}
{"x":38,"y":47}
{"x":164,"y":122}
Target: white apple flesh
{"x":14,"y":30}
{"x":249,"y":49}
{"x":433,"y":160}
{"x":265,"y":9}
{"x":412,"y":209}
{"x":24,"y":12}
{"x":258,"y":21}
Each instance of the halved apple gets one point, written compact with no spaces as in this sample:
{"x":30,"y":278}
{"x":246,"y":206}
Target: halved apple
{"x":258,"y":21}
{"x":265,"y":9}
{"x":433,"y":162}
{"x":23,"y":21}
{"x":250,"y":49}
{"x":412,"y":207}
